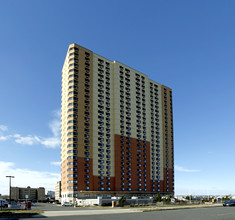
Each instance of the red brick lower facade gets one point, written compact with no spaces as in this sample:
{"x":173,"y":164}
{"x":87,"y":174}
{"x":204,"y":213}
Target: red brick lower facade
{"x":84,"y":179}
{"x":132,"y":171}
{"x":132,"y":167}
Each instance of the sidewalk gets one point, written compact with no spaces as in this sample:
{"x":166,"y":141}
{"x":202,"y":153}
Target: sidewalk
{"x":119,"y":210}
{"x":86,"y":212}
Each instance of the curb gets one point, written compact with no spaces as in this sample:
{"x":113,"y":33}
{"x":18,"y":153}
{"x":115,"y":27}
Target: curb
{"x":38,"y":216}
{"x":176,"y":208}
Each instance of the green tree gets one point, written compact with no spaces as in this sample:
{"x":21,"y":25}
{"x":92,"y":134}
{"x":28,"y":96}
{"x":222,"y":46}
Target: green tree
{"x":169,"y":198}
{"x":122,"y":201}
{"x":189,"y":197}
{"x":226,"y":198}
{"x":158,"y":198}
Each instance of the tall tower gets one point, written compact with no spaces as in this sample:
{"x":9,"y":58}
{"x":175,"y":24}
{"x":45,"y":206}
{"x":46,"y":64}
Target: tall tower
{"x":117,"y":129}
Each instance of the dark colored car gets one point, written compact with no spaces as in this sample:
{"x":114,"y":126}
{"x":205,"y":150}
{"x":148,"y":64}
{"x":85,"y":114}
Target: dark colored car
{"x":229,"y":202}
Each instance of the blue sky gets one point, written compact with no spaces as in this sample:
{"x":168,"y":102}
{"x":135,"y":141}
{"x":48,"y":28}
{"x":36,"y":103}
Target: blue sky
{"x":187,"y":45}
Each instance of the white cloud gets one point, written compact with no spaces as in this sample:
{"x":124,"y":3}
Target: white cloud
{"x":29,"y":140}
{"x":182,"y":169}
{"x":3,"y":128}
{"x":55,"y":127}
{"x":49,"y":142}
{"x":25,"y":177}
{"x":55,"y":124}
{"x":56,"y":163}
{"x":4,"y":138}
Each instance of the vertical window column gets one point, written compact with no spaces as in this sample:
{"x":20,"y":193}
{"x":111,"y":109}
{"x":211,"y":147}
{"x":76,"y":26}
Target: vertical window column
{"x":101,"y":123}
{"x":87,"y":122}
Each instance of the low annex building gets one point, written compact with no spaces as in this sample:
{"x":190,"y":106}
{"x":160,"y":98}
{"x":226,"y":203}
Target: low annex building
{"x":32,"y":194}
{"x":58,"y":191}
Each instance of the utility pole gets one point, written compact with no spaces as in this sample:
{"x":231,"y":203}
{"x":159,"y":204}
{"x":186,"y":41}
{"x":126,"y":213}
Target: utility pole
{"x":10,"y":186}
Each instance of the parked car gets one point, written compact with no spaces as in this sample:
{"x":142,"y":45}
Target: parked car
{"x":3,"y":203}
{"x":229,"y":202}
{"x":67,"y":204}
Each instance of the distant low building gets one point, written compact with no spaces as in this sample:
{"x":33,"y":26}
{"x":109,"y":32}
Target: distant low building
{"x":51,"y":194}
{"x":33,"y":194}
{"x":4,"y":197}
{"x":58,"y":191}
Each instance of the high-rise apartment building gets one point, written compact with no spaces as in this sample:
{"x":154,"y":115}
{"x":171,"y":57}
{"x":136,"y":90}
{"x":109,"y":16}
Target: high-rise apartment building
{"x":117,"y":129}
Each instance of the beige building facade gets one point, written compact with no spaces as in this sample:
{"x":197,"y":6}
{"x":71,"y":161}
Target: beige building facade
{"x":117,"y":129}
{"x":58,"y":191}
{"x":31,"y":194}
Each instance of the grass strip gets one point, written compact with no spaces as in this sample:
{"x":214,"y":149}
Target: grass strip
{"x":19,"y":213}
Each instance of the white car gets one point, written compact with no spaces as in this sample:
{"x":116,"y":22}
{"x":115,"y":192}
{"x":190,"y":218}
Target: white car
{"x":67,"y":204}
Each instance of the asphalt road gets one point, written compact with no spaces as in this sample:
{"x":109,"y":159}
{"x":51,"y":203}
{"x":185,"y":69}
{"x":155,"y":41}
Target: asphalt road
{"x":52,"y":207}
{"x":215,"y":213}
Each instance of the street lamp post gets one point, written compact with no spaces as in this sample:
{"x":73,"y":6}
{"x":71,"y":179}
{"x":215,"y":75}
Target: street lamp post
{"x":10,"y":186}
